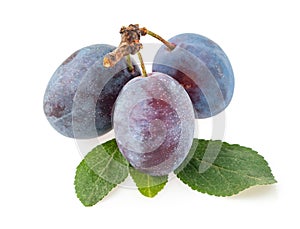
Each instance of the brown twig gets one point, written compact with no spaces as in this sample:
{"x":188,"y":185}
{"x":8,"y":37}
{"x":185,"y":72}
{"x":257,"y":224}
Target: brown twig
{"x":130,"y":44}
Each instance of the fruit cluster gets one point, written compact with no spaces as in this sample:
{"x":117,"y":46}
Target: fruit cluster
{"x":100,"y":87}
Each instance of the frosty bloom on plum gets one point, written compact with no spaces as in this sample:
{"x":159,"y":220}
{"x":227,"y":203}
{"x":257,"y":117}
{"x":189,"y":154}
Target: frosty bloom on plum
{"x":154,"y":123}
{"x":80,"y":95}
{"x":100,"y":88}
{"x":203,"y":69}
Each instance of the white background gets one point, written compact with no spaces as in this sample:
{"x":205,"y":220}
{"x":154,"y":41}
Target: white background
{"x":37,"y":168}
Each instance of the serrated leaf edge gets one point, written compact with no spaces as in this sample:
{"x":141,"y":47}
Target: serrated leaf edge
{"x":231,"y":194}
{"x":273,"y":181}
{"x":114,"y":186}
{"x":77,"y":194}
{"x":151,"y":196}
{"x":163,"y":184}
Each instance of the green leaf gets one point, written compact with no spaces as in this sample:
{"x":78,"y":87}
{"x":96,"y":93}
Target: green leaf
{"x":221,"y":169}
{"x":90,"y":188}
{"x":148,"y":185}
{"x":99,"y":172}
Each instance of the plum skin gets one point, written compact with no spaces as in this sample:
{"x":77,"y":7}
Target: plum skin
{"x":202,"y":68}
{"x":80,"y":95}
{"x":154,"y":123}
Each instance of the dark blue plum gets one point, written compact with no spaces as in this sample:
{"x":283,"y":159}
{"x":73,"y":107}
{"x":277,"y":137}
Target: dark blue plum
{"x":154,"y":123}
{"x":202,"y":68}
{"x":80,"y":95}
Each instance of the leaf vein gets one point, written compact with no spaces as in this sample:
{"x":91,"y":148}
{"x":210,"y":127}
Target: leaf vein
{"x":232,"y":171}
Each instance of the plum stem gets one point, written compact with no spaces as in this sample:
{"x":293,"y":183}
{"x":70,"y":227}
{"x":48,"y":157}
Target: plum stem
{"x":145,"y":31}
{"x":129,"y":63}
{"x":144,"y":72}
